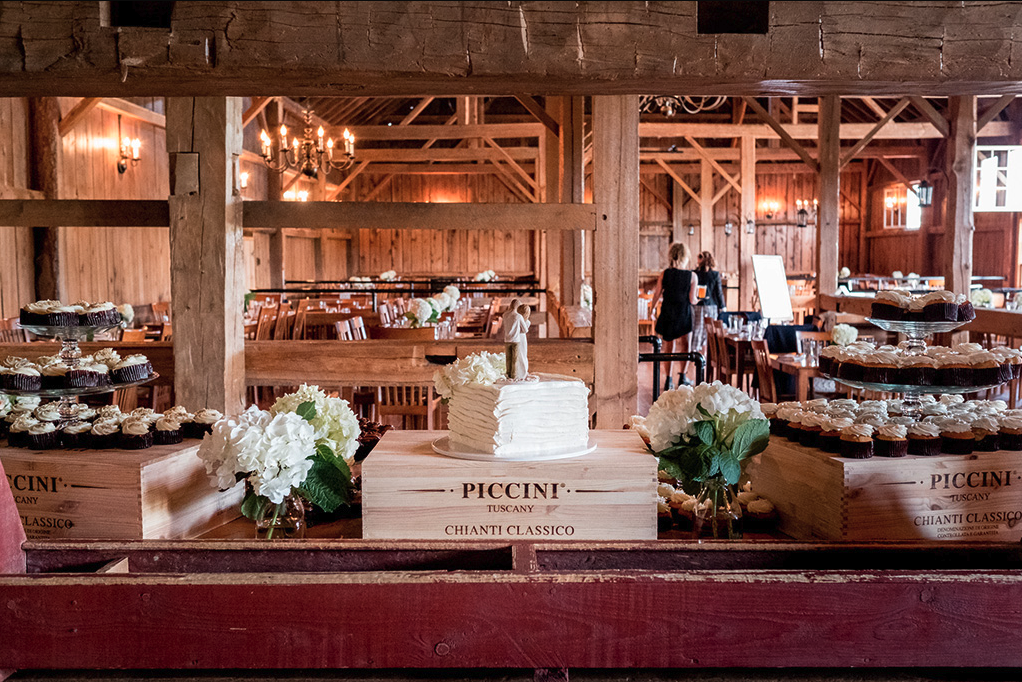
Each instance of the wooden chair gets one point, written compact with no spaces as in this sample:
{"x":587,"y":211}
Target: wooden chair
{"x":11,"y":331}
{"x":266,"y":324}
{"x":726,"y":363}
{"x":285,"y":326}
{"x":166,"y":332}
{"x":764,"y":373}
{"x":358,"y":328}
{"x":712,"y":350}
{"x":133,"y":335}
{"x":415,"y":404}
{"x":161,"y":312}
{"x":343,"y":328}
{"x":801,"y":336}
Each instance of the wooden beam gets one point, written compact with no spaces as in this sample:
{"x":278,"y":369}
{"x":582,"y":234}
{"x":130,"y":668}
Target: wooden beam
{"x":746,"y":241}
{"x":678,"y":201}
{"x":207,"y":261}
{"x":868,"y":137}
{"x":572,"y":180}
{"x":395,"y":155}
{"x":764,"y":154}
{"x":497,"y":131}
{"x":257,"y":105}
{"x":655,"y":193}
{"x":678,"y":179}
{"x":508,"y":180}
{"x":725,"y":188}
{"x":782,"y":133}
{"x":79,"y":111}
{"x":706,"y":206}
{"x":348,"y":179}
{"x":46,"y":165}
{"x":132,"y":110}
{"x":416,"y":110}
{"x":873,"y":106}
{"x":829,"y":212}
{"x":931,"y":114}
{"x":960,"y":172}
{"x":84,"y":213}
{"x":991,"y":112}
{"x":713,"y":162}
{"x":295,"y":109}
{"x":513,"y":164}
{"x":804,"y":131}
{"x":420,"y":216}
{"x":537,"y":110}
{"x":616,"y":258}
{"x":897,"y":174}
{"x":276,"y":261}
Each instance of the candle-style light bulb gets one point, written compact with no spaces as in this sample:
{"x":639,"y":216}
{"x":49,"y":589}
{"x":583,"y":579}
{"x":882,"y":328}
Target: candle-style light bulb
{"x":330,"y":149}
{"x":136,"y":145}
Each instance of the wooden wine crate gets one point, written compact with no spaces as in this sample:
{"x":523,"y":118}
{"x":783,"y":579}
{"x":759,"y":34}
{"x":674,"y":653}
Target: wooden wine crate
{"x":161,"y":492}
{"x":410,"y":492}
{"x":820,"y":496}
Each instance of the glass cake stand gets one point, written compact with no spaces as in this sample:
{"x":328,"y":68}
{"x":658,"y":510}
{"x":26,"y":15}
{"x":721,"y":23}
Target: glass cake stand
{"x":915,"y":332}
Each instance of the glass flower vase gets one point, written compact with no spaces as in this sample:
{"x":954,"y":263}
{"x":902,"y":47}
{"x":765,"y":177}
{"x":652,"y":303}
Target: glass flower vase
{"x":717,"y":512}
{"x":281,"y":521}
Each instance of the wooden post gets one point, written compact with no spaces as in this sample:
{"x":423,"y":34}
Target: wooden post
{"x":746,"y":241}
{"x":960,"y":171}
{"x":573,"y":192}
{"x":207,"y":264}
{"x":828,"y":213}
{"x":45,"y":162}
{"x":550,"y":191}
{"x":274,"y":189}
{"x":705,"y":207}
{"x":616,"y":254}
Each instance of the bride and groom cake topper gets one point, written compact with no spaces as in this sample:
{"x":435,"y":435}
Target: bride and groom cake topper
{"x":515,"y":324}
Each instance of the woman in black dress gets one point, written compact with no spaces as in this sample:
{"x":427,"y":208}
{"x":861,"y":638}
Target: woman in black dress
{"x":711,"y":303}
{"x":674,"y":322}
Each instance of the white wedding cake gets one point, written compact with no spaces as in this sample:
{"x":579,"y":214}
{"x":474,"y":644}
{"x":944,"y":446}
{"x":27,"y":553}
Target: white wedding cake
{"x":544,"y":416}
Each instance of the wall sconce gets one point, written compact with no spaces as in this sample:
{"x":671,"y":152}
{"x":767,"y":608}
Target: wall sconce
{"x":729,"y":227}
{"x":750,"y":226}
{"x":770,"y":208}
{"x":129,"y":150}
{"x":691,"y":229}
{"x":292,"y":195}
{"x":924,"y":191}
{"x":244,"y":180}
{"x":802,"y":216}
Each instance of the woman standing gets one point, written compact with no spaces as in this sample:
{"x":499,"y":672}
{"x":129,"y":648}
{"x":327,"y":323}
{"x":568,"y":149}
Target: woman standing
{"x":712,"y":301}
{"x":674,"y":323}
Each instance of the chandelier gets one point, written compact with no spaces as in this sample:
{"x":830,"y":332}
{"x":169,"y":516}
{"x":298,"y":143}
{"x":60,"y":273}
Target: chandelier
{"x":669,"y":105}
{"x":309,"y":154}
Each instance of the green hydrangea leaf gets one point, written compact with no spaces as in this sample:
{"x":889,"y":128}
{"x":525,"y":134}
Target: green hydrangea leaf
{"x":704,"y":432}
{"x":730,"y":468}
{"x":671,"y":467}
{"x":307,"y":411}
{"x":252,"y":506}
{"x":751,"y":438}
{"x":326,"y":486}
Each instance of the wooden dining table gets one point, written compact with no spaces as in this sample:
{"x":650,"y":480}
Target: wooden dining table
{"x":803,"y":373}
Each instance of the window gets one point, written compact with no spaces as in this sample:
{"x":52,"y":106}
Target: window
{"x":998,"y":169}
{"x":901,"y":208}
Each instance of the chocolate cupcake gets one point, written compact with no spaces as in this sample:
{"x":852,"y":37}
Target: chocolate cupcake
{"x":916,"y":370}
{"x":131,"y":369}
{"x":924,"y":439}
{"x":889,"y":305}
{"x":664,"y":520}
{"x":81,"y":377}
{"x":62,"y":316}
{"x":856,"y":441}
{"x":1010,"y":432}
{"x":135,"y":434}
{"x":25,"y":378}
{"x":940,"y":306}
{"x":50,"y":412}
{"x":75,"y":435}
{"x":54,"y":376}
{"x":830,"y":434}
{"x":108,"y":357}
{"x":17,"y":436}
{"x":780,"y":425}
{"x":201,"y":424}
{"x":167,"y":431}
{"x":104,"y":434}
{"x":100,"y":315}
{"x":852,"y":369}
{"x":986,"y":368}
{"x":966,"y":312}
{"x":880,"y":368}
{"x":956,"y":437}
{"x":987,"y":432}
{"x":809,"y":434}
{"x":37,"y":314}
{"x":794,"y":430}
{"x":891,"y":441}
{"x":43,"y":436}
{"x":109,"y":412}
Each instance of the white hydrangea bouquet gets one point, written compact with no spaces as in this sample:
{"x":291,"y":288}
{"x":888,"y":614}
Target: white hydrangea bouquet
{"x":844,"y":273}
{"x":127,"y":314}
{"x":981,"y":298}
{"x":388,"y":276}
{"x":486,"y":276}
{"x":478,"y":368}
{"x":302,"y":445}
{"x":704,"y":433}
{"x":844,"y":334}
{"x":420,"y":311}
{"x":361,"y":282}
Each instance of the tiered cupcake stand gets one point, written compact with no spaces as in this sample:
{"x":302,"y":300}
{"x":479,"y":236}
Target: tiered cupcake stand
{"x":915,"y":344}
{"x":71,"y":354}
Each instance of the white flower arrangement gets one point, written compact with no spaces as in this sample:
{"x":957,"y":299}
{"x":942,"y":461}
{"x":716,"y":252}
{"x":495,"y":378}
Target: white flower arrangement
{"x":127,"y":314}
{"x":420,"y":311}
{"x":897,"y":274}
{"x":388,"y":276}
{"x":478,"y":368}
{"x":705,"y":432}
{"x":586,"y":299}
{"x":442,"y":302}
{"x":844,"y":334}
{"x":1017,"y":299}
{"x":981,"y":298}
{"x":361,"y":282}
{"x":299,"y":446}
{"x":844,"y":273}
{"x":486,"y":276}
{"x":453,"y":292}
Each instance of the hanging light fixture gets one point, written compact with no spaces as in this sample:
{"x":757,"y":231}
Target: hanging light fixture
{"x":802,"y":216}
{"x":750,"y":226}
{"x":669,"y":105}
{"x":924,"y":190}
{"x":729,"y":227}
{"x":310,"y":154}
{"x":129,"y":150}
{"x":691,"y":229}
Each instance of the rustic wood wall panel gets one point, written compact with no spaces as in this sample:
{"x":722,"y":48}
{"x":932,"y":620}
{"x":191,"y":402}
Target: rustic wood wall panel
{"x":17,"y":277}
{"x":128,"y":265}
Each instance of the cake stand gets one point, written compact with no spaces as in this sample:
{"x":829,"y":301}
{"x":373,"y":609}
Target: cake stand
{"x":443,"y":446}
{"x":70,"y":354}
{"x":915,"y":344}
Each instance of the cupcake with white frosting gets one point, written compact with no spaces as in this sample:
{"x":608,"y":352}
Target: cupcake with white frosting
{"x":956,"y":437}
{"x":987,"y":432}
{"x":857,"y":441}
{"x":167,"y":431}
{"x":202,"y":423}
{"x":43,"y":436}
{"x":75,"y":435}
{"x":891,"y":441}
{"x":135,"y":434}
{"x":131,"y":369}
{"x":1010,"y":431}
{"x":25,"y":378}
{"x":104,"y":434}
{"x":17,"y":436}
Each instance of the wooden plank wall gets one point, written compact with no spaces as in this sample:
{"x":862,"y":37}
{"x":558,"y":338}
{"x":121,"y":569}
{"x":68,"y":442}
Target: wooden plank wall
{"x":124,"y":265}
{"x":17,"y":276}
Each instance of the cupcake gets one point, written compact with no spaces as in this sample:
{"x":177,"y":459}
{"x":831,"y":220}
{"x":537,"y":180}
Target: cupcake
{"x":99,"y":314}
{"x":37,"y":314}
{"x":676,"y":503}
{"x":17,"y":436}
{"x":1010,"y":431}
{"x":54,"y":376}
{"x":664,"y":520}
{"x":202,"y":423}
{"x":103,"y":434}
{"x":917,"y":370}
{"x":107,"y":356}
{"x":966,"y":311}
{"x":109,"y":412}
{"x":891,"y":441}
{"x":857,"y":441}
{"x":782,"y":418}
{"x":889,"y":305}
{"x":132,"y":368}
{"x":940,"y":306}
{"x":167,"y":432}
{"x":62,"y":316}
{"x":830,"y":433}
{"x":82,"y":376}
{"x":75,"y":435}
{"x":43,"y":436}
{"x":986,"y":369}
{"x":987,"y":432}
{"x":956,"y":437}
{"x":809,"y":434}
{"x":25,"y":378}
{"x":874,"y":419}
{"x":50,"y":412}
{"x":135,"y":434}
{"x":880,"y":367}
{"x":100,"y":372}
{"x":770,"y":412}
{"x":760,"y":514}
{"x":795,"y":426}
{"x":924,"y":439}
